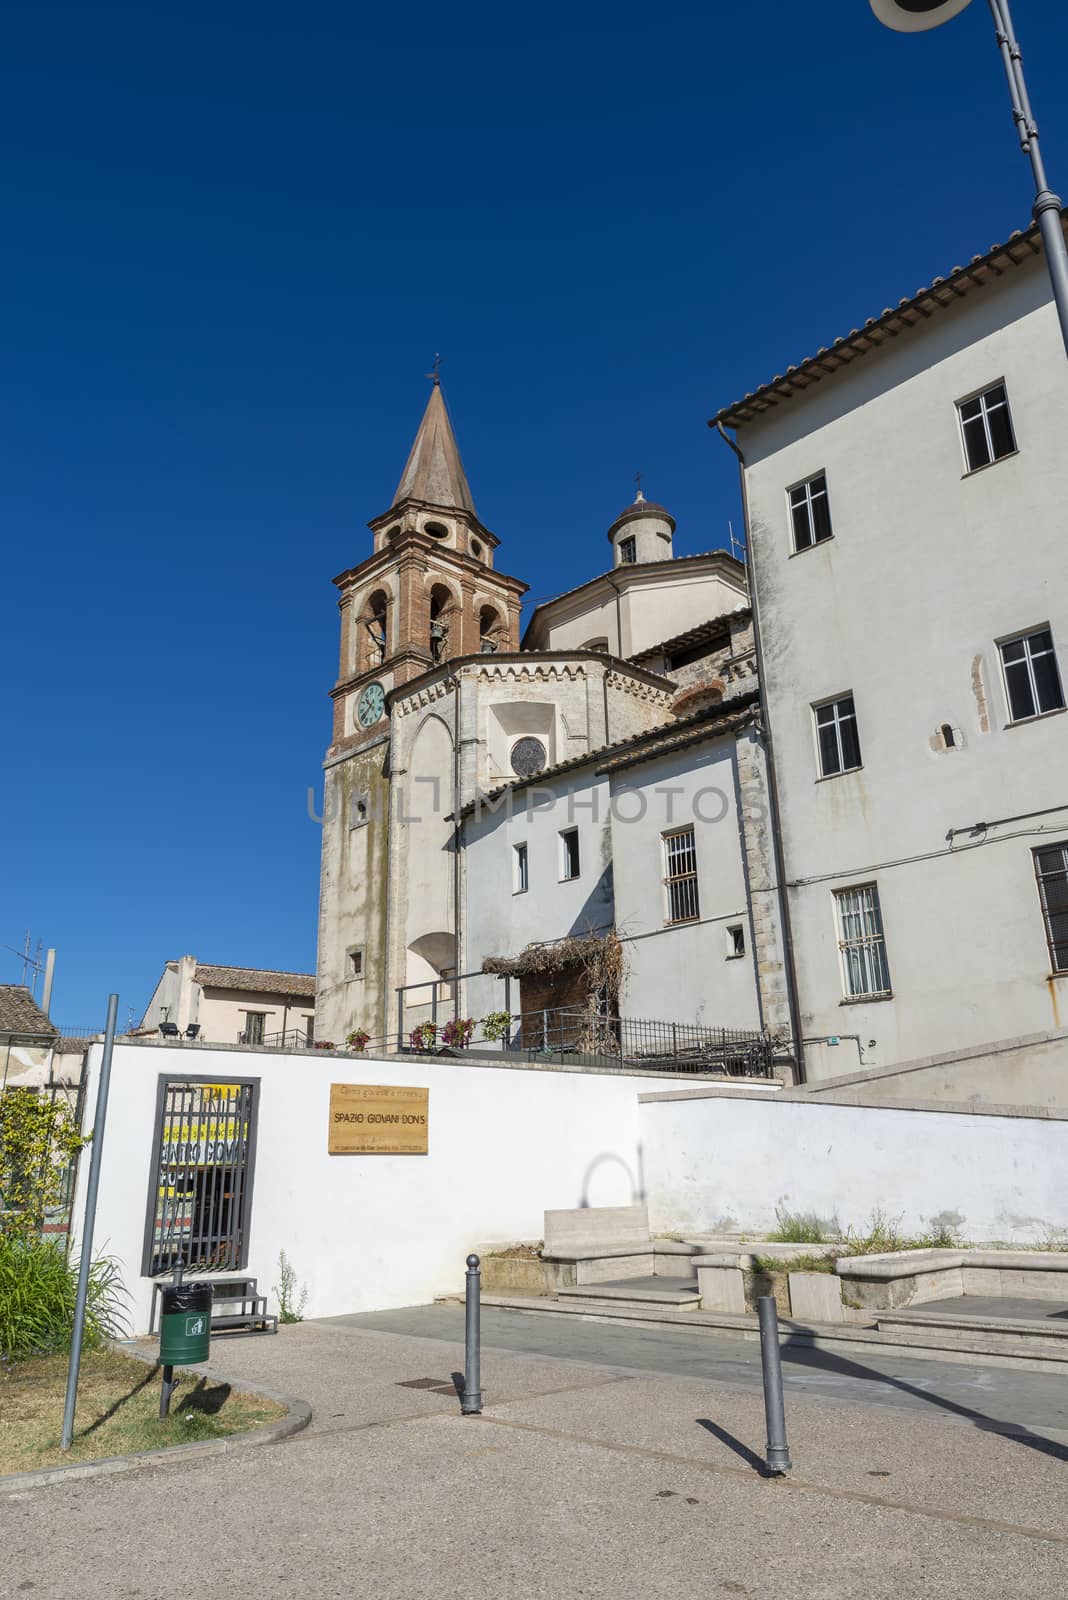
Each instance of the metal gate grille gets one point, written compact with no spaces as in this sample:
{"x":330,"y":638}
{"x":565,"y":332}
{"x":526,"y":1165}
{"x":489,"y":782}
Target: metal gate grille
{"x":200,"y":1189}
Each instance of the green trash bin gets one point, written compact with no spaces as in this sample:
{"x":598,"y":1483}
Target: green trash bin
{"x":185,"y":1324}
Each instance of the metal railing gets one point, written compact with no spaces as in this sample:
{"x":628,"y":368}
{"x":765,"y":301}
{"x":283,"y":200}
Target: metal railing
{"x":575,"y":1033}
{"x":583,"y":1037}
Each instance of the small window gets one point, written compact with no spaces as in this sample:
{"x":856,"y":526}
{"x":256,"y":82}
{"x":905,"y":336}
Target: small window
{"x":839,"y":741}
{"x":519,"y":869}
{"x":254,"y":1021}
{"x":865,"y":970}
{"x":1032,"y":678}
{"x":628,"y":551}
{"x":986,"y":424}
{"x":569,"y":854}
{"x":358,"y":811}
{"x":680,"y":875}
{"x":1051,"y":870}
{"x":735,"y":942}
{"x":810,"y":511}
{"x":355,"y":964}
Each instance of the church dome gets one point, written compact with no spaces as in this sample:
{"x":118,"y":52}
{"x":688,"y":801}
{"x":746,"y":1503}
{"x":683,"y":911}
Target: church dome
{"x":641,"y":508}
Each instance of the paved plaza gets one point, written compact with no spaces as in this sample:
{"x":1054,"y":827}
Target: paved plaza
{"x":608,"y":1460}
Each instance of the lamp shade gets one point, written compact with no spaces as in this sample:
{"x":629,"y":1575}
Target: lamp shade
{"x":916,"y":16}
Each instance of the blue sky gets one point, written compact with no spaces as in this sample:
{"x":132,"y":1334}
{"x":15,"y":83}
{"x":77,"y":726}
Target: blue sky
{"x":235,"y":237}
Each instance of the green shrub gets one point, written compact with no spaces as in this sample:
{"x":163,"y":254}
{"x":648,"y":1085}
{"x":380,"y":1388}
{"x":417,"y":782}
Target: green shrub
{"x":796,"y":1227}
{"x":291,"y":1301}
{"x":38,"y":1288}
{"x":39,"y":1140}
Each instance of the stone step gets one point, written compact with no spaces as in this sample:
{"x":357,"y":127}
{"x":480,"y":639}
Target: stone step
{"x":680,"y":1294}
{"x":918,"y":1342}
{"x":969,"y":1327}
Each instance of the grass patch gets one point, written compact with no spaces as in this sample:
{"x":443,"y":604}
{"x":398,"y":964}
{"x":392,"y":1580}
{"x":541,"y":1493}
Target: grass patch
{"x":118,"y":1410}
{"x":882,"y":1235}
{"x":768,"y":1265}
{"x":797,"y":1227}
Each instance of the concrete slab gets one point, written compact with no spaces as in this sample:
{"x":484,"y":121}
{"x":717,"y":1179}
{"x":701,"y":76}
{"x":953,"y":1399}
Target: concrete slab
{"x":816,"y":1297}
{"x":1001,"y":1308}
{"x":722,"y":1285}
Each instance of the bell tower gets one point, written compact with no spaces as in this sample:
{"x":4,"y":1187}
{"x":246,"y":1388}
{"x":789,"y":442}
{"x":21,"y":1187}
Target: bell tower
{"x":429,"y":591}
{"x":425,"y":596}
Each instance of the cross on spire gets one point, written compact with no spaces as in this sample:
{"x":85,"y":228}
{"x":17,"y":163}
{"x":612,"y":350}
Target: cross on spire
{"x":638,"y":482}
{"x":435,"y":371}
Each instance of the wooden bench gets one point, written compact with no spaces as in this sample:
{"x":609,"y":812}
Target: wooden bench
{"x":240,"y":1292}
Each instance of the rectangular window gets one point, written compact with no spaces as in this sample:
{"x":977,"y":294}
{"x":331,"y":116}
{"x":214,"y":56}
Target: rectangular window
{"x":836,"y":731}
{"x":986,"y":424}
{"x":1051,"y":870}
{"x":355,"y":963}
{"x":254,"y":1021}
{"x":810,"y":511}
{"x":1032,"y":679}
{"x":680,"y":875}
{"x":865,"y":970}
{"x":628,"y":552}
{"x":569,"y":854}
{"x":519,"y":869}
{"x":735,"y":942}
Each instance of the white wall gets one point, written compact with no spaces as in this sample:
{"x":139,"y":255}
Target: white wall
{"x":500,"y":921}
{"x":368,"y":1232}
{"x":683,"y":972}
{"x":714,"y":1161}
{"x":928,"y":567}
{"x":652,"y":605}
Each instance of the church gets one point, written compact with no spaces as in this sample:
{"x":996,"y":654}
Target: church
{"x":598,"y":783}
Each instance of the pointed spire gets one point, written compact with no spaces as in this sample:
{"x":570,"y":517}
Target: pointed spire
{"x":434,"y":472}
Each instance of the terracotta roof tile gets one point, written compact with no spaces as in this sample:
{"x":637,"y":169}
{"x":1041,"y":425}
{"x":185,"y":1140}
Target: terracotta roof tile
{"x":20,"y":1013}
{"x":256,"y":980}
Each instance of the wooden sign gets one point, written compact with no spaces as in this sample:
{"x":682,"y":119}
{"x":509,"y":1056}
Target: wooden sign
{"x":369,"y":1119}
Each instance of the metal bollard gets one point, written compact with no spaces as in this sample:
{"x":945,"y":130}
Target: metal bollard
{"x":778,"y":1456}
{"x":471,"y":1404}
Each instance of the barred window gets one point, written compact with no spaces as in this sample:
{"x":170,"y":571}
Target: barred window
{"x":810,"y":512}
{"x":1032,"y":679}
{"x":680,"y":875}
{"x":1051,"y":870}
{"x":986,"y":424}
{"x":839,"y":741}
{"x":865,"y":970}
{"x":628,"y":551}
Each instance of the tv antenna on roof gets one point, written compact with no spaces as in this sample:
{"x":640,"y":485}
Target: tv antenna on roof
{"x":737,"y":545}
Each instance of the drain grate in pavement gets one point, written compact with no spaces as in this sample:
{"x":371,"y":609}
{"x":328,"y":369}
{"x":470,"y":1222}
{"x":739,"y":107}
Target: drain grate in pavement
{"x":439,"y":1385}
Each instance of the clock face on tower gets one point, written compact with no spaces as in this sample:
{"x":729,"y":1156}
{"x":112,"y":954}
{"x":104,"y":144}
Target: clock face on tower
{"x":370,"y":705}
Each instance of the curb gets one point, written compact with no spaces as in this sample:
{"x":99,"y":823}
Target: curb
{"x":298,"y":1415}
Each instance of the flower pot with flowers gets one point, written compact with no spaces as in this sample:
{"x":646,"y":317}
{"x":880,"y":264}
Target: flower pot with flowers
{"x":423,"y":1038}
{"x":358,"y":1040}
{"x":457,"y":1032}
{"x":497,"y":1026}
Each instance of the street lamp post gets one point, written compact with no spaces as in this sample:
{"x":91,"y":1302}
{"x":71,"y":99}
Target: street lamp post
{"x":917,"y":16}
